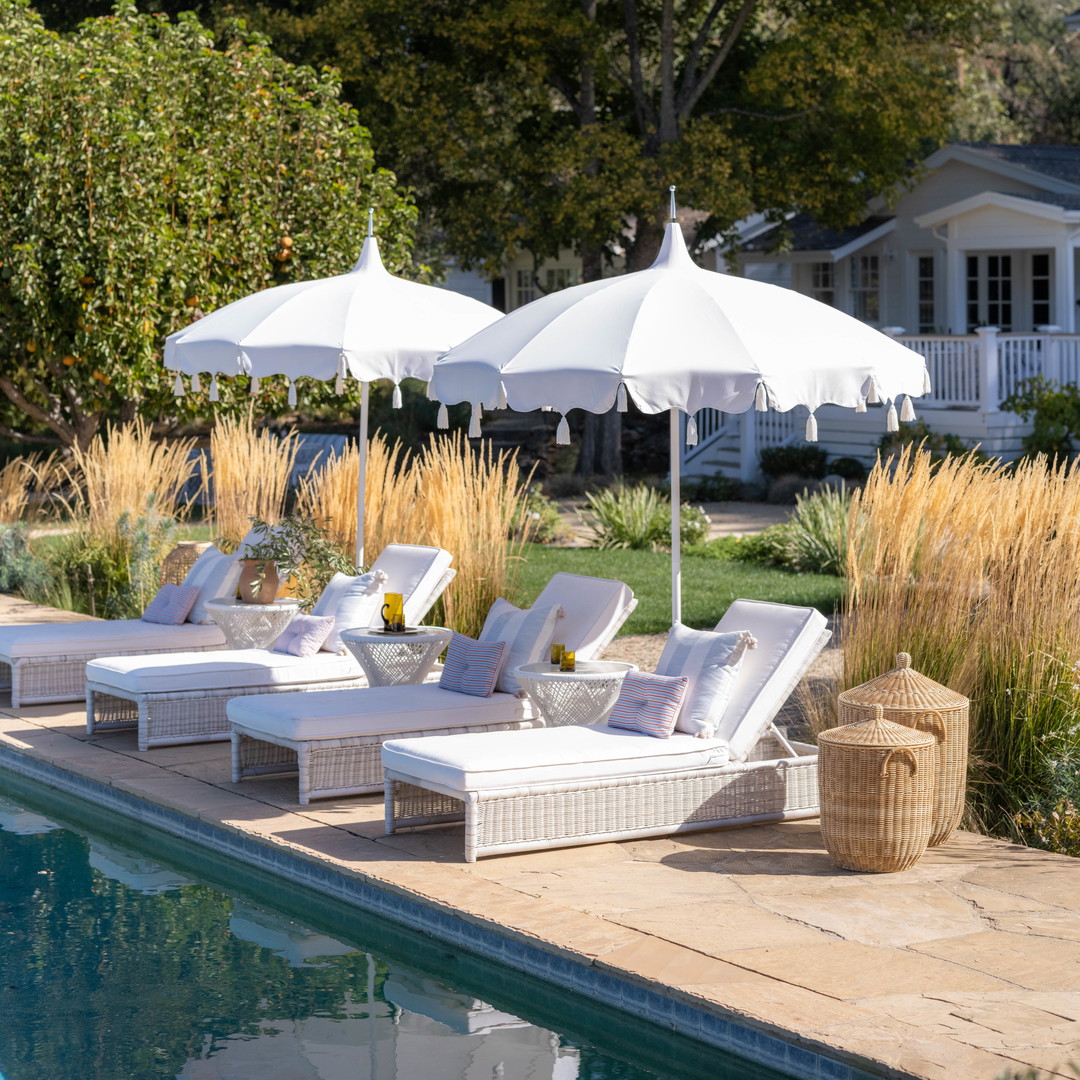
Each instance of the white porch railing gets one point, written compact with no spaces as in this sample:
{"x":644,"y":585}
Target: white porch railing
{"x":976,"y":372}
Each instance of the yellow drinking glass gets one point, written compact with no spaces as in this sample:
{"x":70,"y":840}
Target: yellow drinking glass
{"x":567,"y":661}
{"x":556,"y":653}
{"x":393,"y":612}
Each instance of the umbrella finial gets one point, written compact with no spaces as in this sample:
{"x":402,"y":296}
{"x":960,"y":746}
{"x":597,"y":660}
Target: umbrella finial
{"x":671,"y":190}
{"x":371,"y":221}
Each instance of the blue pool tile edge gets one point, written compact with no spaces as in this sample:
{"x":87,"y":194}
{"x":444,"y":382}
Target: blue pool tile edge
{"x":601,"y":985}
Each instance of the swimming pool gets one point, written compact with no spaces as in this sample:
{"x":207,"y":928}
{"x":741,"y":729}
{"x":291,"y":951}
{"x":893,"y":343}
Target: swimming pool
{"x":128,"y":957}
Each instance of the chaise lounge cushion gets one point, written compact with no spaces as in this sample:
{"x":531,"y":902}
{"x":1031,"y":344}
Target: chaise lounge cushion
{"x":103,"y":638}
{"x":216,"y":576}
{"x":595,"y":610}
{"x":171,"y":672}
{"x":506,"y":759}
{"x":353,"y":602}
{"x":343,"y":714}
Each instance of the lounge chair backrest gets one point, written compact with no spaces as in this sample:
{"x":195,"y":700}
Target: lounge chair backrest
{"x":788,"y":640}
{"x":416,"y":571}
{"x":595,"y":608}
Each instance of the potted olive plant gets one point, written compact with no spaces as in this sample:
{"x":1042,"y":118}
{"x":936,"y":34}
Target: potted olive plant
{"x":294,"y":550}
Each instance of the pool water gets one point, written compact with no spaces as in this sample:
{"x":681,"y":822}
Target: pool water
{"x":117,"y":964}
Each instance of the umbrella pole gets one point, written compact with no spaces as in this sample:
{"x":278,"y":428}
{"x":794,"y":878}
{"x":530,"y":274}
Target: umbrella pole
{"x":361,"y":476}
{"x":676,"y":520}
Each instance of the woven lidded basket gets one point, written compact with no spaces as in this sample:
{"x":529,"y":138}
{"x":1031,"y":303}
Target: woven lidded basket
{"x":876,"y":782}
{"x":915,"y":701}
{"x":179,"y":561}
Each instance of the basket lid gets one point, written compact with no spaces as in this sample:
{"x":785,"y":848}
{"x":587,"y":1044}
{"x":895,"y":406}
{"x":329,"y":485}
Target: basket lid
{"x":877,"y":732}
{"x":904,"y":688}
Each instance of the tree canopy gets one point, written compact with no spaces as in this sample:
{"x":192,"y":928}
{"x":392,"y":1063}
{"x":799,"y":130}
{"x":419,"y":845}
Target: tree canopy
{"x":147,"y":177}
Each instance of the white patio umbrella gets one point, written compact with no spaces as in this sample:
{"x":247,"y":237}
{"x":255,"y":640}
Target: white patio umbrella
{"x":678,"y":338}
{"x":366,"y":323}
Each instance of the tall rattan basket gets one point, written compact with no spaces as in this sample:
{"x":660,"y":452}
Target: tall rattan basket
{"x":876,"y":782}
{"x":917,"y":702}
{"x":179,"y":561}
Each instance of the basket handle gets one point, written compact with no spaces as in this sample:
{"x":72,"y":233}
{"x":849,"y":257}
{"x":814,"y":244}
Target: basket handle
{"x":933,"y":723}
{"x":912,"y":760}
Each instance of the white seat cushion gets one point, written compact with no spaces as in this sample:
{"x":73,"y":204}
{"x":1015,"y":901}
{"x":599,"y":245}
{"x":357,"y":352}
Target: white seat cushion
{"x":341,"y":714}
{"x":513,"y":759}
{"x":230,"y":668}
{"x":786,"y":637}
{"x":415,"y":571}
{"x":216,"y":576}
{"x":103,"y":638}
{"x":594,"y":609}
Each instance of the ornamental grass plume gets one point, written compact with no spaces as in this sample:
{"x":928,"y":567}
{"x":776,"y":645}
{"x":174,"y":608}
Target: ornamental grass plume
{"x":973,"y":568}
{"x":25,"y":484}
{"x":251,"y":470}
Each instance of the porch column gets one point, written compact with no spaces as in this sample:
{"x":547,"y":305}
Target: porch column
{"x":989,"y":384}
{"x":1065,"y":286}
{"x":748,"y":450}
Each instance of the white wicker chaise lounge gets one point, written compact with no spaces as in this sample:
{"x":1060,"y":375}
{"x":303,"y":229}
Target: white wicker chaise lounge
{"x":331,"y":741}
{"x":555,"y":787}
{"x":181,"y":697}
{"x":46,"y":662}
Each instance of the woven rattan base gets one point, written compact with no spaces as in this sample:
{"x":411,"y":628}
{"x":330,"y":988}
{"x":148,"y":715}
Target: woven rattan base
{"x":619,"y":808}
{"x":328,"y":768}
{"x":42,"y":680}
{"x":169,"y":719}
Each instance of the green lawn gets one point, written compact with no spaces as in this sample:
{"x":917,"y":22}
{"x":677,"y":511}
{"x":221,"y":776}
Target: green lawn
{"x":708,"y":585}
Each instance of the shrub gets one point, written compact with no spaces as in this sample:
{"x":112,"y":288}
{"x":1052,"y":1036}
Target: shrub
{"x":848,"y":468}
{"x":939,"y":445}
{"x":713,"y":488}
{"x":1055,"y":413}
{"x":816,"y":535}
{"x":639,"y":518}
{"x":21,"y":571}
{"x":1051,"y":820}
{"x":806,"y":460}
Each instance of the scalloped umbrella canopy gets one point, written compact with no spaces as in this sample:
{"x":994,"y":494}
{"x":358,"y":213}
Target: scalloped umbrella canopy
{"x":367,"y":323}
{"x":678,"y":338}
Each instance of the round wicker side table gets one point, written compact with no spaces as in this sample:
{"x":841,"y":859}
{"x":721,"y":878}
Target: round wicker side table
{"x":876,"y":781}
{"x":583,"y":696}
{"x":251,"y":626}
{"x":180,"y":560}
{"x":394,"y":659}
{"x":915,"y":701}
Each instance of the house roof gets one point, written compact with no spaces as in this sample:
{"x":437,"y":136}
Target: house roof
{"x":1061,"y":162}
{"x":806,"y":234}
{"x":1066,"y":202}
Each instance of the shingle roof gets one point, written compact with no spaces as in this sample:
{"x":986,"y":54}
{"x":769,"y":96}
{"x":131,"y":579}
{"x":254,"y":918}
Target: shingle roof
{"x":1060,"y":162}
{"x":806,"y":234}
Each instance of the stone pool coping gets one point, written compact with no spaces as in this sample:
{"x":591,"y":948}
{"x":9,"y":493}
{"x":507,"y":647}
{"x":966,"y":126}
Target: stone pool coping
{"x":965,"y":967}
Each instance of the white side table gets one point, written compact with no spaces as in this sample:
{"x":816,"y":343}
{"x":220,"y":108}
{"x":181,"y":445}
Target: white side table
{"x":583,"y":696}
{"x":392,"y":659}
{"x":252,"y":626}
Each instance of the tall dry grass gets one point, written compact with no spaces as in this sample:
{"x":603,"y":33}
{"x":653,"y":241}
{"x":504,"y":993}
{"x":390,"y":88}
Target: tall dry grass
{"x":127,"y":474}
{"x":250,"y":475}
{"x":25,"y":483}
{"x":974,"y":569}
{"x":446,"y":495}
{"x":393,"y":511}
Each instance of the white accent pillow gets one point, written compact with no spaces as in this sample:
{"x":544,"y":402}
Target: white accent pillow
{"x":216,"y":576}
{"x":711,"y":662}
{"x":528,"y":634}
{"x":355,"y":602}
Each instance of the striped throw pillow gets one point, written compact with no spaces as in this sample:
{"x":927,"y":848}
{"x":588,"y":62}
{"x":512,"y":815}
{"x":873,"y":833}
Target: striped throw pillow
{"x":648,"y":703}
{"x":472,"y":666}
{"x":171,"y":605}
{"x":304,"y":635}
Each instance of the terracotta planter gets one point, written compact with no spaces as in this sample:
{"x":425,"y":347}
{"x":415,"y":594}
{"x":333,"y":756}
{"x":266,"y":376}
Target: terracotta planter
{"x":250,"y":590}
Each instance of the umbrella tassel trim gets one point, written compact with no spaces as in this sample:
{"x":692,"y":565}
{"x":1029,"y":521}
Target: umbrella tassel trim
{"x":562,"y":433}
{"x":254,"y":388}
{"x":861,"y":407}
{"x":442,"y":421}
{"x":396,"y":399}
{"x":178,"y":386}
{"x":811,"y":428}
{"x":342,"y":371}
{"x":872,"y":397}
{"x":620,"y":399}
{"x":213,"y":388}
{"x":431,"y":395}
{"x":891,"y":423}
{"x":474,"y":421}
{"x":292,"y":391}
{"x":691,"y":430}
{"x":907,"y":411}
{"x":761,"y":398}
{"x":196,"y":384}
{"x":926,"y":381}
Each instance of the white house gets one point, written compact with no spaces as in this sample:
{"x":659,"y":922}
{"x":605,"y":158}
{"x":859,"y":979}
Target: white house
{"x":975,"y":264}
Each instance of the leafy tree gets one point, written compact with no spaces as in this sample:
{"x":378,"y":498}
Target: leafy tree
{"x":540,"y":125}
{"x":148,"y":177}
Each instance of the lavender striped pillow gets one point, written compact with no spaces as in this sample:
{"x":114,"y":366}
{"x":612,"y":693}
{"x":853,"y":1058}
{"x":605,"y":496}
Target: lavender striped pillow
{"x":171,"y":605}
{"x":648,"y":703}
{"x":472,"y":666}
{"x":304,"y":635}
